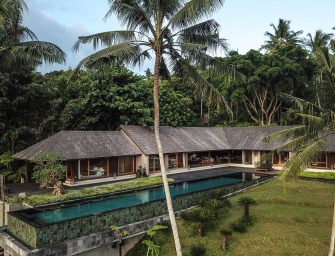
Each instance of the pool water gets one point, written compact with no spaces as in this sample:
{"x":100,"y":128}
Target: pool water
{"x":126,"y":200}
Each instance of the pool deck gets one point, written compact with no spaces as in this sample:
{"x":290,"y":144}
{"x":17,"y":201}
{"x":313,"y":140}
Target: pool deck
{"x":179,"y":175}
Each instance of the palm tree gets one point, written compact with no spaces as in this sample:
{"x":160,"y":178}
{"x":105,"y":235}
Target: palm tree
{"x":246,"y":202}
{"x":215,"y":205}
{"x":171,"y":32}
{"x":318,"y":121}
{"x":202,"y":217}
{"x":226,"y":233}
{"x":19,"y":46}
{"x":282,"y":36}
{"x":320,"y":39}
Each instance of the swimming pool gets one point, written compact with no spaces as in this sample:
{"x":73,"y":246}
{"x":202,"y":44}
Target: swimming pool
{"x":60,"y":214}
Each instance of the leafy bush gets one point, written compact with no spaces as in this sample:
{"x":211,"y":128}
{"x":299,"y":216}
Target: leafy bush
{"x":239,"y":226}
{"x":318,"y":175}
{"x":47,"y":198}
{"x":198,"y":250}
{"x":49,"y":171}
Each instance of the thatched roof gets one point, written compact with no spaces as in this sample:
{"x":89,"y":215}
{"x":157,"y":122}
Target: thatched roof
{"x":183,"y":139}
{"x":192,"y":139}
{"x":135,"y":140}
{"x":251,"y":138}
{"x":82,"y":144}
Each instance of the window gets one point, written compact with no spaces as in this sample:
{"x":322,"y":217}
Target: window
{"x":154,"y":165}
{"x":248,"y":157}
{"x":97,"y":168}
{"x":126,"y":165}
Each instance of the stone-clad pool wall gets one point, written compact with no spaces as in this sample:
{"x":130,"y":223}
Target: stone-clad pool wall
{"x":36,"y":237}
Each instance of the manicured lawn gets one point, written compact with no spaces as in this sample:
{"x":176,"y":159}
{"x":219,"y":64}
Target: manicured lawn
{"x":318,"y":175}
{"x":291,"y":219}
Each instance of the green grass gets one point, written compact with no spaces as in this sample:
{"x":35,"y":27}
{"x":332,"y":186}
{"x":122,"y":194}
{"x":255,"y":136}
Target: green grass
{"x":294,"y":218}
{"x":318,"y":175}
{"x":48,"y":198}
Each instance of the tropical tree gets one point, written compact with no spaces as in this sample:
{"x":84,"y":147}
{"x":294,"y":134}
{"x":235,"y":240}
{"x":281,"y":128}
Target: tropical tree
{"x":49,"y":171}
{"x":215,"y":205}
{"x":318,"y":121}
{"x":246,"y":202}
{"x":282,"y":36}
{"x":168,"y":30}
{"x":19,"y":46}
{"x":225,"y":233}
{"x":318,"y":40}
{"x":201,"y":217}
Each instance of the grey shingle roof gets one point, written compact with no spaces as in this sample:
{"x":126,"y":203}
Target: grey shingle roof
{"x":82,"y":144}
{"x":251,"y":138}
{"x":182,"y":139}
{"x":95,"y":144}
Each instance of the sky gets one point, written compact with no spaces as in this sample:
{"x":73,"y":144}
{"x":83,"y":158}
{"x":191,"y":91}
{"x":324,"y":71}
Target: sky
{"x":243,"y":22}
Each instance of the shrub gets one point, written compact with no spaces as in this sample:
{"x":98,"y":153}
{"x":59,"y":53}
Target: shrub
{"x":246,"y":202}
{"x":198,"y":250}
{"x":199,"y":216}
{"x":239,"y":226}
{"x":318,"y":175}
{"x":42,"y":199}
{"x":49,"y":171}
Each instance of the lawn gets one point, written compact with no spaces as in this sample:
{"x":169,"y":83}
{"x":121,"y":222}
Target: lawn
{"x":291,"y":219}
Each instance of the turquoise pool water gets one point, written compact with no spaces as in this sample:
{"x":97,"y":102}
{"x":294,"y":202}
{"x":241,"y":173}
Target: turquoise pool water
{"x":126,"y":200}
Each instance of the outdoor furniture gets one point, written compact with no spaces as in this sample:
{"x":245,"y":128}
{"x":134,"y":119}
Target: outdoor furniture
{"x":264,"y":167}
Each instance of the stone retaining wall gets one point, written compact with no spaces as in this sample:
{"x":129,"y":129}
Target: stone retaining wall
{"x":37,"y":237}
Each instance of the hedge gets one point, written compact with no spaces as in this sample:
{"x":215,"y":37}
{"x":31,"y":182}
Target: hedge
{"x":48,"y":198}
{"x":318,"y":175}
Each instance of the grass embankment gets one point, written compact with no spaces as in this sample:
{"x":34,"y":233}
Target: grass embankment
{"x":291,"y":219}
{"x":318,"y":175}
{"x":48,"y":198}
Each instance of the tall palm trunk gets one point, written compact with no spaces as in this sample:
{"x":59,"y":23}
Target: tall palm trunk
{"x":332,"y":240}
{"x":161,"y":157}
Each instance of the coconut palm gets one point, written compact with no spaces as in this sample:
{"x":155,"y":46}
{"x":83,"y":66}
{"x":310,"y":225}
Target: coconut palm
{"x":318,"y":121}
{"x":172,"y":33}
{"x":19,"y":46}
{"x":282,"y":36}
{"x":320,"y":39}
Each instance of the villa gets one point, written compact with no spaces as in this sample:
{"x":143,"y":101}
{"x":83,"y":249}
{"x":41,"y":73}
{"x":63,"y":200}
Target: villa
{"x":200,"y":160}
{"x":101,"y":156}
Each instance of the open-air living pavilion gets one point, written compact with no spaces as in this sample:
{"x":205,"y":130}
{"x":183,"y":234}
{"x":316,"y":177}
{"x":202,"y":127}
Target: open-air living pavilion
{"x":103,"y":154}
{"x":88,"y":154}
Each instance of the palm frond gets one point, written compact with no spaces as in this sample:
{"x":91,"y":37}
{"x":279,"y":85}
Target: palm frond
{"x":286,"y":134}
{"x":115,"y":54}
{"x":32,"y":53}
{"x":302,"y":159}
{"x":193,"y":11}
{"x":105,"y":38}
{"x":132,"y":14}
{"x":193,"y":78}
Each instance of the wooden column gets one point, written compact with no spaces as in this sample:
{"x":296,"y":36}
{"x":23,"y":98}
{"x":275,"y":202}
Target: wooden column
{"x":78,"y":174}
{"x":108,"y":167}
{"x":88,"y":167}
